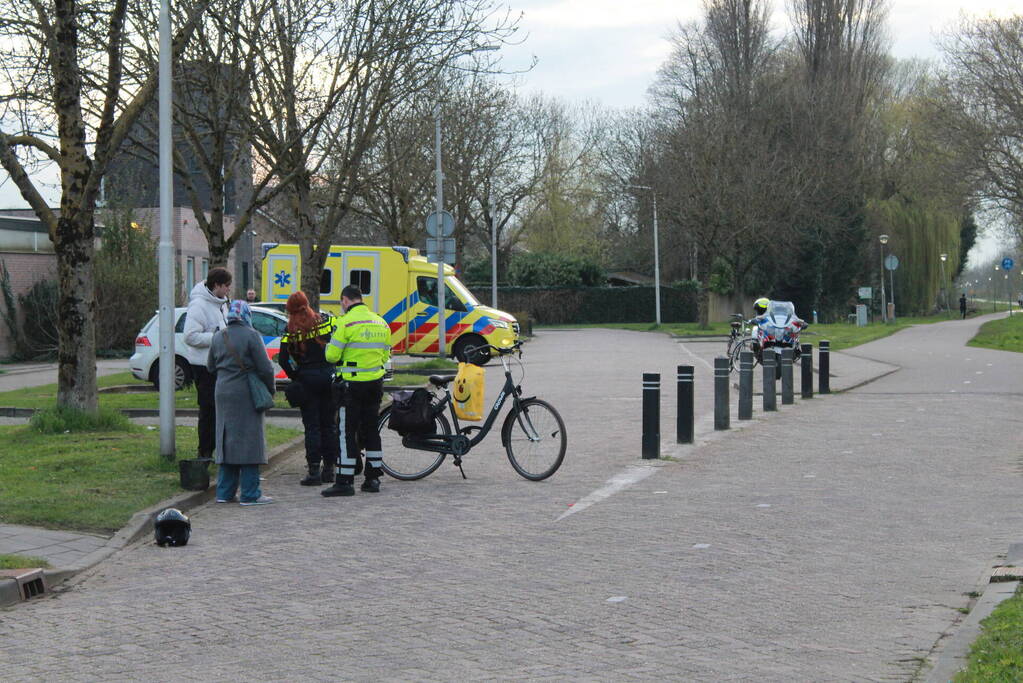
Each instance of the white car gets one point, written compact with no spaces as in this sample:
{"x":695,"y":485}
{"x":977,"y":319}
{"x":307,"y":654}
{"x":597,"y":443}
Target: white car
{"x":145,"y":363}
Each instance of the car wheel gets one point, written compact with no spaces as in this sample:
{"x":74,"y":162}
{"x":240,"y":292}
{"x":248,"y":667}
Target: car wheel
{"x":182,"y":373}
{"x":472,"y":348}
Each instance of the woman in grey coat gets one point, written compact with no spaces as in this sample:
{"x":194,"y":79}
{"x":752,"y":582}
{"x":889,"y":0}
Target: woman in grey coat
{"x":241,"y":447}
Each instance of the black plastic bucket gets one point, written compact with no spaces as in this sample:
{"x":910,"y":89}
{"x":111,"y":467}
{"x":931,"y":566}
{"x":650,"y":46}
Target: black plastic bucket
{"x":195,"y":474}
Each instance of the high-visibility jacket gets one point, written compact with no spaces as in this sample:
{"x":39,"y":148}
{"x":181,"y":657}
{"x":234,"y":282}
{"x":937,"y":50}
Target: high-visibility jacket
{"x":304,"y":349}
{"x":360,"y":345}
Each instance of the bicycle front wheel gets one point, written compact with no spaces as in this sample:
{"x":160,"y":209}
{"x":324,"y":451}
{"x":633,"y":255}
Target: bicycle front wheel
{"x":535,"y":439}
{"x":408,"y":464}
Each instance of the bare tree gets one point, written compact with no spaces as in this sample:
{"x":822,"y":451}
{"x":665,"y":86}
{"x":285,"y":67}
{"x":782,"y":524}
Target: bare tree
{"x":980,"y":108}
{"x":73,"y":85}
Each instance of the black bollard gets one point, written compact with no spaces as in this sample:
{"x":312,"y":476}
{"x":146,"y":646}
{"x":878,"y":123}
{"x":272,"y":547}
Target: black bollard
{"x":721,"y":373}
{"x":746,"y":385}
{"x":770,"y":397}
{"x":651,"y":415}
{"x":806,"y":370}
{"x":684,"y":419}
{"x":824,"y":371}
{"x":787,"y":398}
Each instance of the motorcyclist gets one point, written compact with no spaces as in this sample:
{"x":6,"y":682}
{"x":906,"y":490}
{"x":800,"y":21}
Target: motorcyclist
{"x":760,"y":306}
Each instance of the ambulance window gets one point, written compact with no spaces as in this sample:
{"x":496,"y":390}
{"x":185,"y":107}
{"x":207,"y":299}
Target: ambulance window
{"x":427,"y":287}
{"x":326,"y":281}
{"x":361,"y":279}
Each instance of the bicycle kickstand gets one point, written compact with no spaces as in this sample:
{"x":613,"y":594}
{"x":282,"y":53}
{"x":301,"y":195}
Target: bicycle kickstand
{"x":458,"y":463}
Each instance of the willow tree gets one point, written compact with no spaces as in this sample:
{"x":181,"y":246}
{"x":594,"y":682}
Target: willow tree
{"x":73,"y":83}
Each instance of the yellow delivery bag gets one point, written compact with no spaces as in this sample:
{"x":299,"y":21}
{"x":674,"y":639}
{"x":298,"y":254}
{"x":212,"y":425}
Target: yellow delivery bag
{"x":468,"y":392}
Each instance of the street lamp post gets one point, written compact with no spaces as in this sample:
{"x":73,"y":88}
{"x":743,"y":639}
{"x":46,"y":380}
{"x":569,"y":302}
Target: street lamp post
{"x":441,"y":322}
{"x":884,"y":304}
{"x":944,"y":292}
{"x":657,"y":259}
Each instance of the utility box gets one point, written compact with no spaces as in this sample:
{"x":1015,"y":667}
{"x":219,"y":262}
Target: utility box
{"x":891,"y":312}
{"x":861,"y":315}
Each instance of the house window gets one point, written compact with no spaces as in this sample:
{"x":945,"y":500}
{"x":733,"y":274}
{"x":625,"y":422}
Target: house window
{"x":205,"y":268}
{"x":189,"y":273}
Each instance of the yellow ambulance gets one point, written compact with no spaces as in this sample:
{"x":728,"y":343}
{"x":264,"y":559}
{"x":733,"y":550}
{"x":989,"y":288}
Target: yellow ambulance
{"x":400,"y":285}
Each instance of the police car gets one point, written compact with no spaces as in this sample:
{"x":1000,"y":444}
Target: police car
{"x":145,"y":363}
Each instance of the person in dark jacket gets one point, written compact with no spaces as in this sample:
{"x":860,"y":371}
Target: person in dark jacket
{"x":241,"y":445}
{"x":303,"y":360}
{"x":962,"y":305}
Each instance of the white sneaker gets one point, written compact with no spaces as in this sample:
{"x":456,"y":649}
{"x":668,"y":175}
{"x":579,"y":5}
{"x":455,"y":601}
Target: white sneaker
{"x":262,"y":500}
{"x":227,"y":500}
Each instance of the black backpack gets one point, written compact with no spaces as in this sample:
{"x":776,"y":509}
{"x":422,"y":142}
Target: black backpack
{"x":411,"y":412}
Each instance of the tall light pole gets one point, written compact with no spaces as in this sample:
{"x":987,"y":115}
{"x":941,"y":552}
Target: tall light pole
{"x":944,"y":293}
{"x":441,"y":321}
{"x":166,"y":247}
{"x":493,"y":252}
{"x":884,"y":304}
{"x":657,"y":259}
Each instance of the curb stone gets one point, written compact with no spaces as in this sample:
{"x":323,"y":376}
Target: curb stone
{"x":140,"y":525}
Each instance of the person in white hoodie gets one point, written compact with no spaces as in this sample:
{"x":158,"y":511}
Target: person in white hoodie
{"x":206,"y":306}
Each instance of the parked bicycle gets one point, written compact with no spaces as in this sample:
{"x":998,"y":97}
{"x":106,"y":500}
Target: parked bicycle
{"x":739,"y":339}
{"x":533,"y":433}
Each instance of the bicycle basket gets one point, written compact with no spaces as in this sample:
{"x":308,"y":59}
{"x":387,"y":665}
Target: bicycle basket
{"x":411,"y":412}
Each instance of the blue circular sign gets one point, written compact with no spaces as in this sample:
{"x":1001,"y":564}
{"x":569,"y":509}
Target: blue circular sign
{"x":1007,"y":263}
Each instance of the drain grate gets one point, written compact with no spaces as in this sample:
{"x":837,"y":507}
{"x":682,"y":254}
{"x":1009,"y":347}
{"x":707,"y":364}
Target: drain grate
{"x":31,"y":582}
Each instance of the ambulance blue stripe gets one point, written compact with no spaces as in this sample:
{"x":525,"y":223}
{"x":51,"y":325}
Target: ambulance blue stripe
{"x":416,"y":322}
{"x":453,"y":319}
{"x":480,"y":324}
{"x":395,"y":311}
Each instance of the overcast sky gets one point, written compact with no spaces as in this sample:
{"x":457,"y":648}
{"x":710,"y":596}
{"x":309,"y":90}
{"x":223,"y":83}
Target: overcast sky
{"x":608,"y":51}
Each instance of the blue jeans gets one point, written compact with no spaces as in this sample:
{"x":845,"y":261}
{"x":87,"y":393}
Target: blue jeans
{"x":227,"y":482}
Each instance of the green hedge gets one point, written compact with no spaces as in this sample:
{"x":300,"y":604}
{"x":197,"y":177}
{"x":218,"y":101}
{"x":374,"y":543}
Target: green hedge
{"x":579,"y":305}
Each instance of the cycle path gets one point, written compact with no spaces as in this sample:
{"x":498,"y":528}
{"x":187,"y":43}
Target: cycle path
{"x":831,"y":541}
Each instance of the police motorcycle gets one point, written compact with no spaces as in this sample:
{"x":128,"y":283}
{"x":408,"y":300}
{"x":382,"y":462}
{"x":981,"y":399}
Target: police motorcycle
{"x":777,"y":329}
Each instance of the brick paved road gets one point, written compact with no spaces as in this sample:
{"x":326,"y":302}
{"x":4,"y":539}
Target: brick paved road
{"x":831,"y":541}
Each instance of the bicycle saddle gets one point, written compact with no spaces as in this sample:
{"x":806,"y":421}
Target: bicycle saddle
{"x":441,"y":380}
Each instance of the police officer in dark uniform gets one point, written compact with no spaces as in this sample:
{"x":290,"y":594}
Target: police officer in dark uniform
{"x":303,"y":358}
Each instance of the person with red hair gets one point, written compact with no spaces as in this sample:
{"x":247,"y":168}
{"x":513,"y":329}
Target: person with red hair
{"x":303,"y":360}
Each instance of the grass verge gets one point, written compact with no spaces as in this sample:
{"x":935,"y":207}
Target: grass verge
{"x":1004,"y":334}
{"x":22,"y":562}
{"x":997,"y":654}
{"x":91,"y":481}
{"x":45,"y":396}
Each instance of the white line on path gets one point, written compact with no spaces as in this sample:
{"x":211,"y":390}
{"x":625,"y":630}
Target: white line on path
{"x":690,"y":352}
{"x":615,"y":484}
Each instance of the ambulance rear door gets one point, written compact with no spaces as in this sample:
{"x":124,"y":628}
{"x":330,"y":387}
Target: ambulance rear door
{"x":283,"y":273}
{"x":361,"y":268}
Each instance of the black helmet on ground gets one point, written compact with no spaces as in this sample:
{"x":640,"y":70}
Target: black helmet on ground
{"x":171,"y":527}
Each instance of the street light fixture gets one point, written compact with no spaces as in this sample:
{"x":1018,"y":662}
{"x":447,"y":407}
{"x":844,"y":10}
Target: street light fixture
{"x":657,"y":260}
{"x":884,"y":305}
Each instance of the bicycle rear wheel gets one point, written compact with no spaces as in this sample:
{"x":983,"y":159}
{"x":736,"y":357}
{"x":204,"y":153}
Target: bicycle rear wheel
{"x":534,"y":437}
{"x":408,"y":464}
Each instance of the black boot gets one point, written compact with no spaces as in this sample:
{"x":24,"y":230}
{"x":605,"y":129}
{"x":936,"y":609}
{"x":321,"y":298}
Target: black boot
{"x":371,"y":485}
{"x":341,"y":487}
{"x":313,"y":478}
{"x":327,"y":475}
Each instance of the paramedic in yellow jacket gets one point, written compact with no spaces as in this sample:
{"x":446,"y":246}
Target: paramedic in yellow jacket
{"x":360,"y":345}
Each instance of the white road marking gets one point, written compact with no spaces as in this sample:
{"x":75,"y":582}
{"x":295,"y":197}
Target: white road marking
{"x":701,"y":546}
{"x":628,"y":477}
{"x":764,"y":505}
{"x":687,"y":350}
{"x":618,"y":598}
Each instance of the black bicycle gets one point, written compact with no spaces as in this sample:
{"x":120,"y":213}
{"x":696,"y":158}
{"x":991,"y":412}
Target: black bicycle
{"x":533,"y":433}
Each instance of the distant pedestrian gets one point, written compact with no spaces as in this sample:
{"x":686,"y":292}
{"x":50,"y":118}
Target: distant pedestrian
{"x":205,"y":316}
{"x":303,"y":358}
{"x":241,"y":445}
{"x":250,"y":296}
{"x":962,"y":305}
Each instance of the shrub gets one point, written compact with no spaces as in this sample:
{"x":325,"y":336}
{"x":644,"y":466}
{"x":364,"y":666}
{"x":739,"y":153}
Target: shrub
{"x":553,"y":270}
{"x":127,"y":279}
{"x":39,"y":338}
{"x":62,"y":419}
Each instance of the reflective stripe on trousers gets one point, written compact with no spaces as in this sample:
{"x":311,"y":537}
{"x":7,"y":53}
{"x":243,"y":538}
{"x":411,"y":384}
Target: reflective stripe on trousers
{"x":346,"y":462}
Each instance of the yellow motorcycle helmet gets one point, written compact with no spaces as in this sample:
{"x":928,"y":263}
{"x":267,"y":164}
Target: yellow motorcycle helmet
{"x":760,"y":305}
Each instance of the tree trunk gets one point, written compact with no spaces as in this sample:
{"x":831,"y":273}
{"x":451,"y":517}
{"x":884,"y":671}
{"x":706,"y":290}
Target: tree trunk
{"x":76,"y":373}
